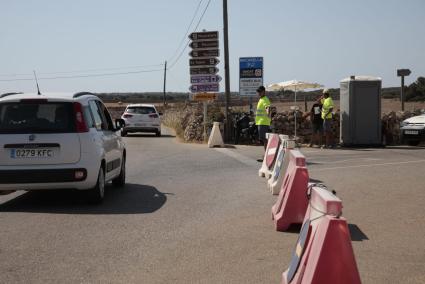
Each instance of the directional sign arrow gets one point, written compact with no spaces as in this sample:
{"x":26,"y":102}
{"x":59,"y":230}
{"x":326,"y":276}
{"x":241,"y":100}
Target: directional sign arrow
{"x":205,"y":53}
{"x":215,"y":87}
{"x":204,"y":79}
{"x":204,"y":62}
{"x":203,"y":70}
{"x":204,"y":36}
{"x":204,"y":44}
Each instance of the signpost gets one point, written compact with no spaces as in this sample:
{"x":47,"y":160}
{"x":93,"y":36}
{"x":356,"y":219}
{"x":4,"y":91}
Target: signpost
{"x":203,"y":78}
{"x":402,"y":73}
{"x":213,"y":87}
{"x":201,"y":97}
{"x":204,"y":62}
{"x":203,"y":70}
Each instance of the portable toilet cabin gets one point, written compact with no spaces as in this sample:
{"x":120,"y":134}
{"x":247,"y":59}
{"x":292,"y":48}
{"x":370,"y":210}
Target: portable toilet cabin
{"x":360,"y":111}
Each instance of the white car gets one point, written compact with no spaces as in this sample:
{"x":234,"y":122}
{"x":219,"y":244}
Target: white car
{"x":413,"y":130}
{"x":141,"y":118}
{"x":58,"y":141}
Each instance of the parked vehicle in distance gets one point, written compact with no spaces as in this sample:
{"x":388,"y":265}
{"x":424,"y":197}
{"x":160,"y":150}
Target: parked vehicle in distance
{"x":59,"y":141}
{"x":413,"y":130}
{"x":141,"y":118}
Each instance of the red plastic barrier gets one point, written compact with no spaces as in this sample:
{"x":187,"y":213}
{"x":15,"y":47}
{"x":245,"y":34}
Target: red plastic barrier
{"x":292,"y":202}
{"x":323,"y":253}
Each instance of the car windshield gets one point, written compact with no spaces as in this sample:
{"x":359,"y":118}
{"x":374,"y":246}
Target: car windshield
{"x":36,"y":117}
{"x":141,"y":110}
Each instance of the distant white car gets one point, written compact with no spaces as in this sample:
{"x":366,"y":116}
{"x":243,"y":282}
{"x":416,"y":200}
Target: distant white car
{"x":141,"y":118}
{"x":413,"y":130}
{"x":57,"y":141}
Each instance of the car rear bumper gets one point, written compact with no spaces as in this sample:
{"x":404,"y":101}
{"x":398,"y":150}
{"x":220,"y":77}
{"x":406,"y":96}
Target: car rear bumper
{"x":142,"y":129}
{"x":43,"y":176}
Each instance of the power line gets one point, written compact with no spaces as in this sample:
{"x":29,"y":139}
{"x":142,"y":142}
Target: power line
{"x":83,"y":71}
{"x":187,"y":44}
{"x":83,"y":76}
{"x":187,"y":31}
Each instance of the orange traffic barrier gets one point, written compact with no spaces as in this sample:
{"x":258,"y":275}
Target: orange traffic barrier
{"x":292,"y":202}
{"x":323,"y":253}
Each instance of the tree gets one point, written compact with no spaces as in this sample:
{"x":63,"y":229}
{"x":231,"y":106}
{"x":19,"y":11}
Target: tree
{"x":416,"y":90}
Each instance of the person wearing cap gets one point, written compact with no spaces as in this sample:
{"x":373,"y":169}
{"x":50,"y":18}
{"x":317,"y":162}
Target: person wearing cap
{"x":316,"y":122}
{"x":327,"y":109}
{"x":262,"y":115}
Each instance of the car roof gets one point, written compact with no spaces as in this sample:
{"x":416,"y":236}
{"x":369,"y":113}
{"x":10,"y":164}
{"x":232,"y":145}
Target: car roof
{"x":56,"y":96}
{"x":141,"y":105}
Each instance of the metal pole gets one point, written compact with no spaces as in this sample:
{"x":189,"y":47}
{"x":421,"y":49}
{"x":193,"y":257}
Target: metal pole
{"x":402,"y":93}
{"x":205,"y":120}
{"x":226,"y":71}
{"x":165,"y":84}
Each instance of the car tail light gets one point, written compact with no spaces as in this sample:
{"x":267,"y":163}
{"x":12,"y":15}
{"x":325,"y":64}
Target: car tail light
{"x":126,"y":115}
{"x":154,"y":115}
{"x":80,"y":123}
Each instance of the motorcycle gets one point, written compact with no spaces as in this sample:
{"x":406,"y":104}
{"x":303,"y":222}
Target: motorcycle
{"x":245,"y":129}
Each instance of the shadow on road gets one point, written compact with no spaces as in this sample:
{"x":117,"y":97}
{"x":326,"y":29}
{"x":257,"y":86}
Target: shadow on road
{"x":356,"y":233}
{"x":129,"y":135}
{"x":131,"y":199}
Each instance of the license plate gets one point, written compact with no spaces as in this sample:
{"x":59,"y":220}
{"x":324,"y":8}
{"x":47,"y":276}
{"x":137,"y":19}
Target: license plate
{"x":141,"y":124}
{"x":31,"y":153}
{"x":411,"y":132}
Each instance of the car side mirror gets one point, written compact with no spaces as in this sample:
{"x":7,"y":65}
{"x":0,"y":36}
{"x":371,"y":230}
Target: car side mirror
{"x":119,"y":124}
{"x":160,"y":113}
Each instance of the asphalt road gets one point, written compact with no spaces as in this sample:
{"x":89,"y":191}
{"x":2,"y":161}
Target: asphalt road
{"x":190,"y":214}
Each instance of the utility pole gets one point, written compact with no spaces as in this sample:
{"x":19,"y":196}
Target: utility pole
{"x":227,"y":127}
{"x":165,"y":84}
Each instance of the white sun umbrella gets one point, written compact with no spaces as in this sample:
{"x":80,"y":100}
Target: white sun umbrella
{"x":293,"y":85}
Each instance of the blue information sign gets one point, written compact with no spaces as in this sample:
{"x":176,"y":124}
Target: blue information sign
{"x":250,"y":75}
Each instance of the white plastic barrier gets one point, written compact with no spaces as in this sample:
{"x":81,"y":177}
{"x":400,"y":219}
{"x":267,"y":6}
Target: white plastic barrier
{"x":281,"y":165}
{"x":215,"y":136}
{"x":273,"y":142}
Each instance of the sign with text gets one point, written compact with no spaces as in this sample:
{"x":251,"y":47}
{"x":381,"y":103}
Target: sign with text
{"x":201,"y":97}
{"x":204,"y":53}
{"x":204,"y":36}
{"x":203,"y":70}
{"x":204,"y":62}
{"x":212,"y":87}
{"x":250,"y":75}
{"x":204,"y":79}
{"x":204,"y":44}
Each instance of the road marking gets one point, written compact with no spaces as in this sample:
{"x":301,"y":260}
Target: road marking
{"x":368,"y":165}
{"x":239,"y":157}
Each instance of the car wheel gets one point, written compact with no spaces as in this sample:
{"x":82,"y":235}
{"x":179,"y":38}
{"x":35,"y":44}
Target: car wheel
{"x":413,"y":142}
{"x":158,"y":133}
{"x":119,"y":181}
{"x":123,"y":133}
{"x":97,"y":193}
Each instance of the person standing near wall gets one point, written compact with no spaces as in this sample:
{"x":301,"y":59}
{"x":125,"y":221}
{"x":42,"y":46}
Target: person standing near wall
{"x":262,"y":115}
{"x":327,"y":117}
{"x":316,"y":123}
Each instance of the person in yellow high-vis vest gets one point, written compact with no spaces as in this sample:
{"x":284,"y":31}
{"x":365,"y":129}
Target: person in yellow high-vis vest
{"x":262,"y":115}
{"x":327,"y":108}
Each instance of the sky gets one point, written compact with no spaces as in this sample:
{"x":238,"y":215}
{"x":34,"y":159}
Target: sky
{"x":317,"y":41}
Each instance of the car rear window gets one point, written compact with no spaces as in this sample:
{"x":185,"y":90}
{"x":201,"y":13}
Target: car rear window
{"x":141,"y":110}
{"x":36,"y":117}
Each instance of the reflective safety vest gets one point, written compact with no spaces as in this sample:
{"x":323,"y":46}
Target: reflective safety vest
{"x":261,"y":116}
{"x":327,"y":105}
